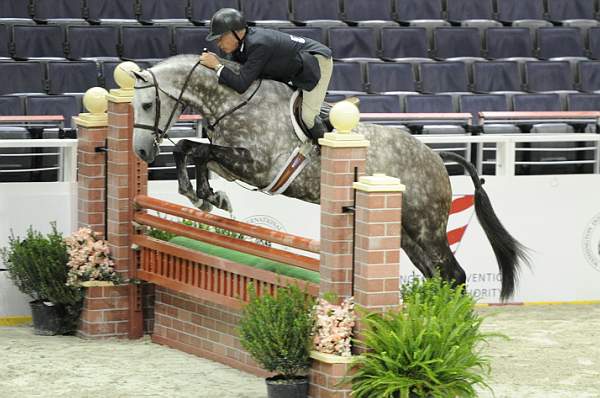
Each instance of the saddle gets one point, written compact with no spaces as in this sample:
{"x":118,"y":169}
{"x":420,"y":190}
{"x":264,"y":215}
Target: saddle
{"x":302,"y":154}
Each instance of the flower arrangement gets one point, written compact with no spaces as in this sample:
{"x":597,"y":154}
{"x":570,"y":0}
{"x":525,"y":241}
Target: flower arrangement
{"x":333,"y":330}
{"x":89,"y":259}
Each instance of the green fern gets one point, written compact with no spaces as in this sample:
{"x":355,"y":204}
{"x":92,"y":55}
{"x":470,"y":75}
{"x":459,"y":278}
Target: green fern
{"x":429,"y":348}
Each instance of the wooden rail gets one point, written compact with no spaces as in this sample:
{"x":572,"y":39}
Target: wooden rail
{"x":298,"y":242}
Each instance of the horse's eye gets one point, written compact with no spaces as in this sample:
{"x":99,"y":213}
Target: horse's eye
{"x":147,"y":105}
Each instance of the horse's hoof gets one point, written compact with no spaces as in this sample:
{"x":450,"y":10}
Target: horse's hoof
{"x":203,"y":205}
{"x":223,"y":202}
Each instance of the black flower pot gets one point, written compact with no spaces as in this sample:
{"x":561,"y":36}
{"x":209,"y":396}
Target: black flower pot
{"x":278,"y":387}
{"x":47,"y":320}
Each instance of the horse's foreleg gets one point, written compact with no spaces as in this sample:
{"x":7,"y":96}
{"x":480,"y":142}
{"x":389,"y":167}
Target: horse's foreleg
{"x":229,"y":158}
{"x":180,"y":154}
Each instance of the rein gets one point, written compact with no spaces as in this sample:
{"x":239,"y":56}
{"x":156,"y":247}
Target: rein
{"x":159,"y":133}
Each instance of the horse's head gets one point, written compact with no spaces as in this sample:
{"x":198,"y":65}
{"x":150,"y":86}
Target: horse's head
{"x":155,"y":110}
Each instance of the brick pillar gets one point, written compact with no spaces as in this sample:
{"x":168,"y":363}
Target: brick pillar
{"x":341,"y":153}
{"x":377,"y":252}
{"x":127,"y":177}
{"x":91,"y":134}
{"x":105,"y":308}
{"x":378,"y":230}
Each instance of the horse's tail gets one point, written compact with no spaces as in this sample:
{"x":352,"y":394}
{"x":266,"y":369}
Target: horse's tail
{"x":509,"y":252}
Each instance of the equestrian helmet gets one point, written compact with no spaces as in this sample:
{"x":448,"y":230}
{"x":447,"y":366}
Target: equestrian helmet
{"x":225,"y":20}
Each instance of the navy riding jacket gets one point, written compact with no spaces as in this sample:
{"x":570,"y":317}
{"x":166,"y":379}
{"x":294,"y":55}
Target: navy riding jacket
{"x":270,"y":54}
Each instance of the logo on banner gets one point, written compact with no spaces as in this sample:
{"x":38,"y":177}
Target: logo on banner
{"x":461,"y":214}
{"x":265,"y":221}
{"x":591,"y":242}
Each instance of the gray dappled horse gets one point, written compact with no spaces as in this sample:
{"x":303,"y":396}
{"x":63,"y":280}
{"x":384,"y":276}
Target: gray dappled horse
{"x":253,"y":142}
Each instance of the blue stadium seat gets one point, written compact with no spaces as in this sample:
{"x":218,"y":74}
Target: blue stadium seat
{"x":111,"y":11}
{"x":388,"y":77}
{"x":543,"y":76}
{"x":92,"y":42}
{"x":38,"y":41}
{"x":147,"y":43}
{"x":474,"y":104}
{"x":433,"y":104}
{"x":459,"y":10}
{"x":11,"y":105}
{"x":192,"y":40}
{"x":594,"y":43}
{"x":536,"y":102}
{"x":164,"y":11}
{"x":346,"y":78}
{"x":66,"y":105}
{"x":508,"y":43}
{"x":368,"y":13}
{"x":71,"y":77}
{"x":560,"y":10}
{"x":559,"y":42}
{"x":514,"y":10}
{"x":409,"y":10}
{"x":404,"y":43}
{"x":583,"y":102}
{"x":311,"y":32}
{"x":496,"y":76}
{"x":589,"y":76}
{"x":373,"y":103}
{"x":58,"y":11}
{"x":25,"y":77}
{"x":203,"y":10}
{"x":4,"y":42}
{"x":443,"y":77}
{"x":428,"y":104}
{"x":457,"y":42}
{"x":266,"y":12}
{"x":16,"y":11}
{"x":316,"y":13}
{"x":353,"y":43}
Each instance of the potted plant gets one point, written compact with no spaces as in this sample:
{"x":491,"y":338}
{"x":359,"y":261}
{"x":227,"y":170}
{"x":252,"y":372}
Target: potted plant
{"x":38,"y":266}
{"x":431,"y":347}
{"x":276,"y":331}
{"x":89,"y":260}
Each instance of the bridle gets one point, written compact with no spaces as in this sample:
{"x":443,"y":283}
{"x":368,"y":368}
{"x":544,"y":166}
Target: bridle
{"x":159,"y":133}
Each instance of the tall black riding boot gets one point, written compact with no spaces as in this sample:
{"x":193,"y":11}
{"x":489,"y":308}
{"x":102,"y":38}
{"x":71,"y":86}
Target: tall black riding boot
{"x":318,"y":130}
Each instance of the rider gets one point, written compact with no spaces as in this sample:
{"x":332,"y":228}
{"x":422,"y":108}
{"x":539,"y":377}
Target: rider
{"x":270,"y":54}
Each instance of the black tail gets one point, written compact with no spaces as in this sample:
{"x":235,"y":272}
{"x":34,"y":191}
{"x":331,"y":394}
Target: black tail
{"x":509,"y":252}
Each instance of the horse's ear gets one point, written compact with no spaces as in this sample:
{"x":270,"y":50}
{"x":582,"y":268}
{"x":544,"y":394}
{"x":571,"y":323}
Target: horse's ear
{"x":139,"y":76}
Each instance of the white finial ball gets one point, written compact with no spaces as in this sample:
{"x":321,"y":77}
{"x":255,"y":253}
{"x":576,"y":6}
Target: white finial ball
{"x":123,"y":75}
{"x":95,"y":100}
{"x":344,"y":116}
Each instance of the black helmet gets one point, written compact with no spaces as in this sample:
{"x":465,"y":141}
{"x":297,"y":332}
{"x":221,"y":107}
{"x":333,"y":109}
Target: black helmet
{"x":225,"y":20}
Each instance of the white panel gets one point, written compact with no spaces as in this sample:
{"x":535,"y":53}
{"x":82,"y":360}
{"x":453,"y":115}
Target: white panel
{"x":35,"y":204}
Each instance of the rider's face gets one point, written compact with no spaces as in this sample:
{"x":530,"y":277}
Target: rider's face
{"x":227,"y":42}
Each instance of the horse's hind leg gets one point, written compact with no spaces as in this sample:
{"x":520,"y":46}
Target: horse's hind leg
{"x":417,"y":255}
{"x":441,"y":255}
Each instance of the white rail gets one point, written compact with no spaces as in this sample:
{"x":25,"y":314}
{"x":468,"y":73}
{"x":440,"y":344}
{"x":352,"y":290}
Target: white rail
{"x":67,"y":155}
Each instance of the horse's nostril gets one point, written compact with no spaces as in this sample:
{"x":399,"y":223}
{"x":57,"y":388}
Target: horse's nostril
{"x":142,"y":153}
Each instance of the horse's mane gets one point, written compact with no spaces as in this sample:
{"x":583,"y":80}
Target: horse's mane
{"x":190,"y":60}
